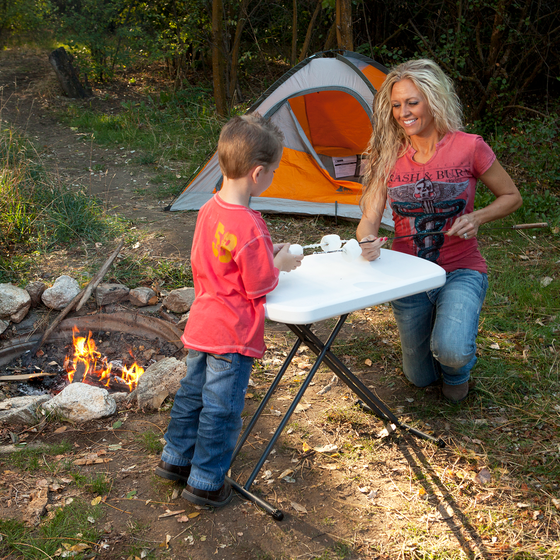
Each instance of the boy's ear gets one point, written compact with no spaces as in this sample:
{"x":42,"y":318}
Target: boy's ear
{"x":255,"y":172}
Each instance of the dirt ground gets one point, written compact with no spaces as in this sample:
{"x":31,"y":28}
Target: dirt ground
{"x":358,"y":498}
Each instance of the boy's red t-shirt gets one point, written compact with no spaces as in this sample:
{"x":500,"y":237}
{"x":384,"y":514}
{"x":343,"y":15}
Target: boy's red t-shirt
{"x":429,"y":197}
{"x":233,"y":270}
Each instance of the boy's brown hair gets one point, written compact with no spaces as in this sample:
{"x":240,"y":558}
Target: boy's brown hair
{"x":246,"y":142}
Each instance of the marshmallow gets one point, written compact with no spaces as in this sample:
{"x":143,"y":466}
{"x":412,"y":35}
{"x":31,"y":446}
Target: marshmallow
{"x":351,"y":250}
{"x":331,"y":243}
{"x":295,"y":249}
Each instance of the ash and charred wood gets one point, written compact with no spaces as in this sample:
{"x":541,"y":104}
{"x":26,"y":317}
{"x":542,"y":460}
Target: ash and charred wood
{"x":67,"y":76}
{"x":78,"y":301}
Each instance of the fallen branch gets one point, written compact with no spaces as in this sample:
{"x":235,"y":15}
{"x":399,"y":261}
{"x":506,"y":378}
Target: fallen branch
{"x":79,"y":300}
{"x":25,"y":376}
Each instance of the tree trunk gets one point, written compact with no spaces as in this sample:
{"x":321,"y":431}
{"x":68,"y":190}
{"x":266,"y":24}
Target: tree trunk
{"x":294,"y":34}
{"x":309,"y":31}
{"x":218,"y":62}
{"x":344,"y":25}
{"x":241,"y":20}
{"x":61,"y":61}
{"x":331,"y":38}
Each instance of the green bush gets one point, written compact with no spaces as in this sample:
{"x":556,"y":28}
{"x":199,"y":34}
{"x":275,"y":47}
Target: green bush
{"x":530,"y":151}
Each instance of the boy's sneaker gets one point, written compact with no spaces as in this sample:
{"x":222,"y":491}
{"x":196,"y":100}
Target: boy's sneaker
{"x":214,"y":498}
{"x":173,"y":472}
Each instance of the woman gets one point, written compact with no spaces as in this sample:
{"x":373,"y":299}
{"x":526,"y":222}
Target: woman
{"x":427,"y":169}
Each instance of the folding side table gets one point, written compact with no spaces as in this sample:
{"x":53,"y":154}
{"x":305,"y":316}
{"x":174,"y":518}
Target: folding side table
{"x":328,"y":285}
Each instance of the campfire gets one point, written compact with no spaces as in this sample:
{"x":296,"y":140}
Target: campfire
{"x":87,"y":365}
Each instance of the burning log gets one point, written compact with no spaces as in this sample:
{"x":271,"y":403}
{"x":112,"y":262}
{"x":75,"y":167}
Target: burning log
{"x":88,"y":366}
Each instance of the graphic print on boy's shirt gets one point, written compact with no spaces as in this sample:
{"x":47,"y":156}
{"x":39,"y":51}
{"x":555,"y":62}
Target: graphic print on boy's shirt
{"x":428,"y":205}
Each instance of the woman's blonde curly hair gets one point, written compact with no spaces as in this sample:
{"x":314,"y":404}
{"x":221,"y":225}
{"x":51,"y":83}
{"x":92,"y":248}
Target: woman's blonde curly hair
{"x":389,"y":141}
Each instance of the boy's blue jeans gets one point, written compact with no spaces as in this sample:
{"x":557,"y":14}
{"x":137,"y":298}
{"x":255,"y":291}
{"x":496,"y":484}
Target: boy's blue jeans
{"x":438,"y":329}
{"x":206,"y":416}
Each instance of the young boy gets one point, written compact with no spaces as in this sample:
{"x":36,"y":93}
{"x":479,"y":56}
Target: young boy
{"x":234,"y":266}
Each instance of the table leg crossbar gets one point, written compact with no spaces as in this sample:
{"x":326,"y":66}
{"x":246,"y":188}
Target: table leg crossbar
{"x":323,"y":353}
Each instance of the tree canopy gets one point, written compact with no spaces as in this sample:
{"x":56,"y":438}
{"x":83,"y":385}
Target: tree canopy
{"x":500,"y":52}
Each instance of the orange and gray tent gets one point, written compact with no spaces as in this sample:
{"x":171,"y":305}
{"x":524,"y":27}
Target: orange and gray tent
{"x":324,"y":108}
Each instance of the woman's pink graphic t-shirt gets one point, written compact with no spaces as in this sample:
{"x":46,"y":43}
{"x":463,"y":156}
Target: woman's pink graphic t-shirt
{"x":429,"y":197}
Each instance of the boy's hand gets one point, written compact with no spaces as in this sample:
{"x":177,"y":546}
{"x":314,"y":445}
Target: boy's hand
{"x":285,"y":261}
{"x":277,"y":246}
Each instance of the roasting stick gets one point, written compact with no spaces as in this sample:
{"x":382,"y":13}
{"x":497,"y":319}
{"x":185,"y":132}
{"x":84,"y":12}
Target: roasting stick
{"x":78,"y":301}
{"x":518,"y":226}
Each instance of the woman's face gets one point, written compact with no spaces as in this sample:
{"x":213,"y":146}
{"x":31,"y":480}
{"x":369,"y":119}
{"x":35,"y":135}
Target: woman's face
{"x":410,"y":109}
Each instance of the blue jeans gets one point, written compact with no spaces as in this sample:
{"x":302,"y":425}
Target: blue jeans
{"x":206,"y":416}
{"x":438,"y":329}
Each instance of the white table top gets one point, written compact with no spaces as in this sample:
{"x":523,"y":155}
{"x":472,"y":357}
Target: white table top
{"x":326,"y":285}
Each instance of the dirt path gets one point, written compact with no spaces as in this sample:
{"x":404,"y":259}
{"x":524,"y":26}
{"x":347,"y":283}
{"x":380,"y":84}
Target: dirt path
{"x":27,"y":85}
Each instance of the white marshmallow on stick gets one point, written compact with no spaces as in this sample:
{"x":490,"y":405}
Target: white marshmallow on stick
{"x":295,"y":249}
{"x":351,"y":250}
{"x":331,"y":243}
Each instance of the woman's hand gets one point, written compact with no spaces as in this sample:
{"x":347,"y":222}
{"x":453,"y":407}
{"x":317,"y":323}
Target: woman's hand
{"x":371,"y":246}
{"x":466,"y":227}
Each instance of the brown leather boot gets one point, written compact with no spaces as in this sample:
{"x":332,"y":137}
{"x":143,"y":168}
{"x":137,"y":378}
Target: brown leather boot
{"x":173,"y":472}
{"x":455,"y":393}
{"x":214,"y":498}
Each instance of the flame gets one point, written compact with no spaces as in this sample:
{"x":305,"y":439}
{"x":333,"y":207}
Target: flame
{"x":96,"y":369}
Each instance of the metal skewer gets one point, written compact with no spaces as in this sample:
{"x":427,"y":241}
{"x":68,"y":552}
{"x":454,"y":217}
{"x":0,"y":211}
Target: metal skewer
{"x":518,"y":226}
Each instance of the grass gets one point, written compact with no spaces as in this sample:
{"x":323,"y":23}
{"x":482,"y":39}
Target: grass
{"x":35,"y":459}
{"x":71,"y":527}
{"x":135,"y":271}
{"x":150,"y":442}
{"x":172,"y":133}
{"x":39,"y":213}
{"x":96,"y":483}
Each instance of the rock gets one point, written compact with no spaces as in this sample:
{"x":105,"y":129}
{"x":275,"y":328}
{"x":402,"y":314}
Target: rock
{"x":79,"y":402}
{"x":62,"y":292}
{"x":21,"y":314}
{"x":159,"y":381}
{"x":12,"y":300}
{"x":35,"y":291}
{"x":179,"y":301}
{"x":3,"y":325}
{"x":106,"y":294}
{"x":183,"y":321}
{"x":142,"y":296}
{"x":22,"y":410}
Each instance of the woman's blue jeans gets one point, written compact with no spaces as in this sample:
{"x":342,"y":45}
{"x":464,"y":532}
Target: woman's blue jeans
{"x":206,"y":416}
{"x":438,"y":329}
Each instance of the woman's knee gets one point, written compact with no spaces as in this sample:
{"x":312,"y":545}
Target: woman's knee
{"x":453,"y":356}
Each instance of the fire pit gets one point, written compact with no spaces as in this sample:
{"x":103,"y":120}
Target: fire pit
{"x":72,"y":354}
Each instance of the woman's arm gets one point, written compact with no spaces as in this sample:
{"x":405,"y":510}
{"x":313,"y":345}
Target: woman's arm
{"x":507,"y":201}
{"x":367,"y":230}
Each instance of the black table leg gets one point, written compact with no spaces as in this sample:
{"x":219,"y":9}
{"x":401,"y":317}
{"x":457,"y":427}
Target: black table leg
{"x":244,"y":490}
